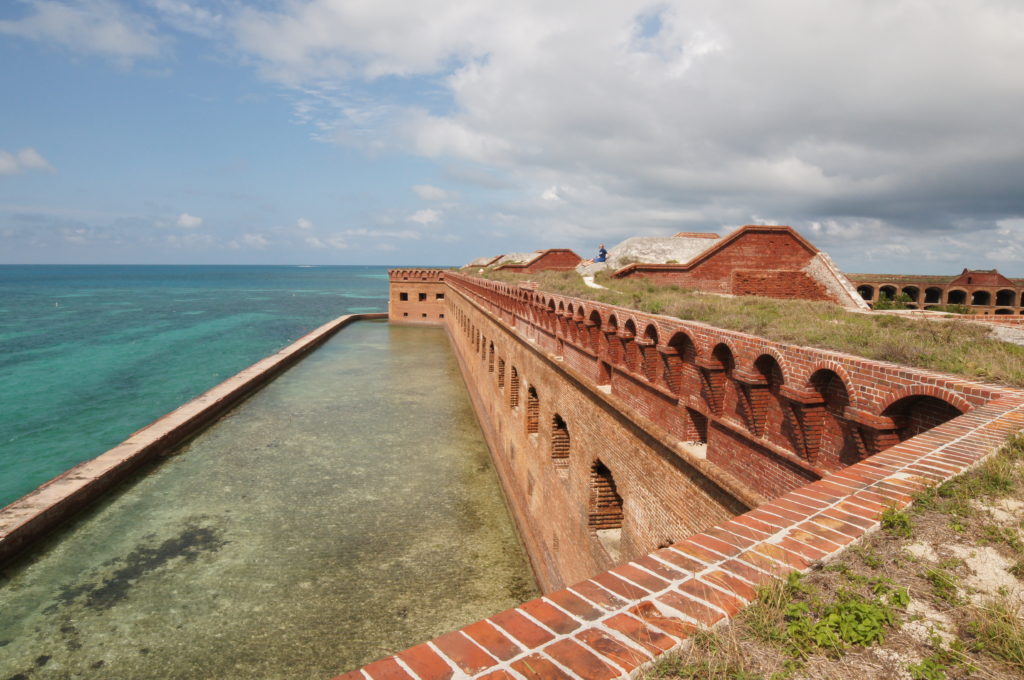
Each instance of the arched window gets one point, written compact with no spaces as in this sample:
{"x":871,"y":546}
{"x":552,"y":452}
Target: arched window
{"x":867,"y":292}
{"x":513,"y":388}
{"x":932,"y":296}
{"x":559,"y":443}
{"x":605,"y":501}
{"x":490,"y":358}
{"x":1004,"y":298}
{"x":981,"y":298}
{"x":956,"y":297}
{"x":532,"y":411}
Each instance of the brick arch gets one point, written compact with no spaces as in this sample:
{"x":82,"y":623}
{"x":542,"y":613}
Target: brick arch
{"x":915,"y":414}
{"x":680,"y":361}
{"x":956,"y":296}
{"x":951,"y":398}
{"x":631,"y":351}
{"x":836,"y":438}
{"x":715,"y":373}
{"x":783,"y":363}
{"x":838,"y":369}
{"x":649,"y":357}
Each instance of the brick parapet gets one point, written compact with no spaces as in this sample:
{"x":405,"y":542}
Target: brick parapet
{"x":617,"y":622}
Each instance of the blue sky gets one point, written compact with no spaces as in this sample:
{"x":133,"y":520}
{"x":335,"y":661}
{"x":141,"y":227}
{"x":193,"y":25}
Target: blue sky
{"x":348,"y":131}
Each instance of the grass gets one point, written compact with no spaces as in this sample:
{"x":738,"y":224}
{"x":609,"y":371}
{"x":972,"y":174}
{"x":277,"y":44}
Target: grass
{"x":947,"y":346}
{"x":853,"y":617}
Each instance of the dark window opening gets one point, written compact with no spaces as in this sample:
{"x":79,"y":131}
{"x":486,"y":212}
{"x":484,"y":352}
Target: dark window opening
{"x":404,"y":297}
{"x":423,"y":297}
{"x":559,"y":443}
{"x":439,"y":296}
{"x":532,"y":411}
{"x":605,"y":501}
{"x":513,"y":388}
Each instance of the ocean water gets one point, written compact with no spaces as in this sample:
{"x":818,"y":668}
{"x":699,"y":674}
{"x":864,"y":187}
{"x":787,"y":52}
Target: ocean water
{"x":89,"y":354}
{"x":344,"y":512}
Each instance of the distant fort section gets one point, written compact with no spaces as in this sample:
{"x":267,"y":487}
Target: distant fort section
{"x":985,"y":291}
{"x":767,"y":260}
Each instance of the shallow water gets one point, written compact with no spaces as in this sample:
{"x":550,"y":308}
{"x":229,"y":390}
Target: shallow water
{"x":346,"y":511}
{"x":89,"y":354}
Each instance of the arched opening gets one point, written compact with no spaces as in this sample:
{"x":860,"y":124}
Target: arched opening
{"x":916,"y":414}
{"x":513,"y":388}
{"x":595,"y":332}
{"x":1022,"y":299}
{"x":956,"y":297}
{"x":981,"y":298}
{"x":932,"y":296}
{"x":1004,"y":298}
{"x":614,"y":345}
{"x":888,"y":292}
{"x":532,"y":411}
{"x":866,"y":292}
{"x":490,"y":358}
{"x":649,"y":357}
{"x":835,"y":442}
{"x":1004,"y":311}
{"x":632,"y":349}
{"x":605,"y":515}
{"x":559,"y":443}
{"x":714,"y":380}
{"x":912,"y":292}
{"x":501,"y":374}
{"x":756,"y":401}
{"x":683,"y":354}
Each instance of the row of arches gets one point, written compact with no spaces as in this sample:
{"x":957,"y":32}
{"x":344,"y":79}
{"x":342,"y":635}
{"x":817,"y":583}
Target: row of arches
{"x":936,"y":295}
{"x":815,"y":415}
{"x":605,"y":511}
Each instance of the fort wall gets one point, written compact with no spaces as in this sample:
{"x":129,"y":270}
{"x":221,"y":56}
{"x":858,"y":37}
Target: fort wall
{"x":869,"y":434}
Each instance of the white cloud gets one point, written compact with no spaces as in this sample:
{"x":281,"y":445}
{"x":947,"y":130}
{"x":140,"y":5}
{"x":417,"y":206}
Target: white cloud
{"x":304,"y":224}
{"x":426,"y":216}
{"x":256,"y":241}
{"x":99,"y":27}
{"x":23,"y":160}
{"x":430,"y":193}
{"x":186,"y":221}
{"x":908,"y":118}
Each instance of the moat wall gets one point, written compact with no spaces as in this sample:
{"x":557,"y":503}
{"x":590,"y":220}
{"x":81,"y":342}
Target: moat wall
{"x":820,"y":442}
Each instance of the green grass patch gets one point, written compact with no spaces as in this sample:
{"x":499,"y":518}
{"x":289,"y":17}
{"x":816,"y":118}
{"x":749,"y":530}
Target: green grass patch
{"x":947,"y":346}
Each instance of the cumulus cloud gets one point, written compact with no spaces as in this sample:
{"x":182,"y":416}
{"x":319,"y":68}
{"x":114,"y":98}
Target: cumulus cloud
{"x":254,"y":241}
{"x":697,"y":114}
{"x":304,"y":224}
{"x":99,"y":27}
{"x":186,"y":221}
{"x":425,"y":216}
{"x":431,"y":193}
{"x":24,"y":160}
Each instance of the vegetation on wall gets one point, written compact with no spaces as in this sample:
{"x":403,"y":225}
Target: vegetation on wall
{"x":949,"y":346}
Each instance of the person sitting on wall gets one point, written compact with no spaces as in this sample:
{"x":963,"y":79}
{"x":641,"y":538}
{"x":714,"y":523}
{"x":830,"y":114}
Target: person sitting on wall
{"x":602,"y":254}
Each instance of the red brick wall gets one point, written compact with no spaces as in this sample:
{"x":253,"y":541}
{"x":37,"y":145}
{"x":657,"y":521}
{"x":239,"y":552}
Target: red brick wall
{"x":795,"y":285}
{"x":559,"y":259}
{"x":797,"y":411}
{"x":424,"y":295}
{"x":767,"y":263}
{"x":551,"y":498}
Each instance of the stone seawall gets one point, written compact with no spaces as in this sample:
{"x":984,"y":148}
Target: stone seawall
{"x":830,"y":440}
{"x":38,"y":513}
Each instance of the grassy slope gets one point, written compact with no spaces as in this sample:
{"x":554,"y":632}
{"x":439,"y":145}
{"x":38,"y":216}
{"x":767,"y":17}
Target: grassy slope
{"x":949,"y":346}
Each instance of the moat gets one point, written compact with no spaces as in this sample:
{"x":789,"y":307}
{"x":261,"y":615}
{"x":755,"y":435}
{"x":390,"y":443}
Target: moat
{"x":346,"y":511}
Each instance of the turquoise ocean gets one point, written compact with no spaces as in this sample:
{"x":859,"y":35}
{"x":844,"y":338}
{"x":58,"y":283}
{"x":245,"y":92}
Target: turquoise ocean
{"x":89,"y":354}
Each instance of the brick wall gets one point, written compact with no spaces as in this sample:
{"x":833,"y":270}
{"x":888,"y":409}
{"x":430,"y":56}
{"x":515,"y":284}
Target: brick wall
{"x":614,"y":623}
{"x":417,"y":296}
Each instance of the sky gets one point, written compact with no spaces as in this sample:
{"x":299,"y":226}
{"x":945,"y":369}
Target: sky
{"x":889,"y":132}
